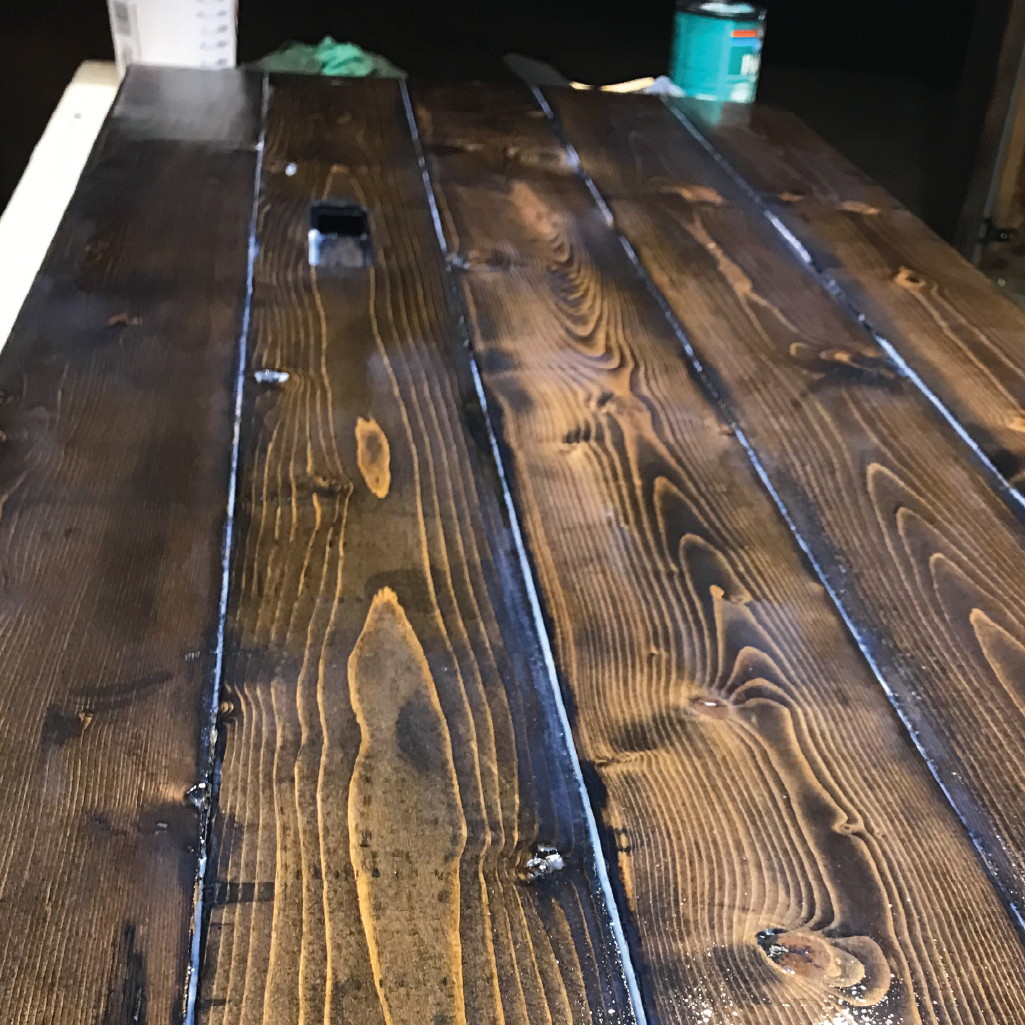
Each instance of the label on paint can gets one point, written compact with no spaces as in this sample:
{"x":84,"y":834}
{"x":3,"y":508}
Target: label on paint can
{"x":717,"y":50}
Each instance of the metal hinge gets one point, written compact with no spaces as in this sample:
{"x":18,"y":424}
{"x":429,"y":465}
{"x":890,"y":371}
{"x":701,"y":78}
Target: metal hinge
{"x":994,"y":233}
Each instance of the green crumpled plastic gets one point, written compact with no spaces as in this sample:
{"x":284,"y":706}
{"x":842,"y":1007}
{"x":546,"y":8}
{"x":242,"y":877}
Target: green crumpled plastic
{"x":329,"y":57}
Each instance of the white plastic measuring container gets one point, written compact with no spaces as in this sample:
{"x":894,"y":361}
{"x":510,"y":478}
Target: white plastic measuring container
{"x":185,"y":33}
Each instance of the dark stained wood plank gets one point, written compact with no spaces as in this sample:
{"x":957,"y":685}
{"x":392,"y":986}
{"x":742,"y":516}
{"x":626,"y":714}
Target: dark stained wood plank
{"x":115,"y":442}
{"x":784,"y":852}
{"x":397,"y":794}
{"x":780,"y":156}
{"x":923,"y":557}
{"x":952,"y":326}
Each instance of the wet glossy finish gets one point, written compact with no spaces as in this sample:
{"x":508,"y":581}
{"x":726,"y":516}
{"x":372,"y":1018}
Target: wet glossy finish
{"x":393,"y":762}
{"x":932,"y":310}
{"x":779,"y":844}
{"x":531,"y":709}
{"x":924,"y":558}
{"x":115,"y":440}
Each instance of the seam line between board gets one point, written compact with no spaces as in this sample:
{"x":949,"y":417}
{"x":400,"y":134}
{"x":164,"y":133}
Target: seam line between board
{"x":526,"y":572}
{"x":1002,"y":485}
{"x":1014,"y":499}
{"x":700,"y":375}
{"x":211,"y":771}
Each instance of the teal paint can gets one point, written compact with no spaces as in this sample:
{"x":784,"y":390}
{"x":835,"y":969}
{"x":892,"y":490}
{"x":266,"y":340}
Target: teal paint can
{"x":717,"y":48}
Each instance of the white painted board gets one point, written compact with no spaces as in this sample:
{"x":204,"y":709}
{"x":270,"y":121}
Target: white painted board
{"x":28,"y":224}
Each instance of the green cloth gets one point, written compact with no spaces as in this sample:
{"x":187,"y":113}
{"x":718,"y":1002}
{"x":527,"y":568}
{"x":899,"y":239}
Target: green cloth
{"x":345,"y":60}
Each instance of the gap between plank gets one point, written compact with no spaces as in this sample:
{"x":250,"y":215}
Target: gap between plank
{"x":705,"y":381}
{"x":526,"y":572}
{"x":208,"y":786}
{"x":1011,"y":495}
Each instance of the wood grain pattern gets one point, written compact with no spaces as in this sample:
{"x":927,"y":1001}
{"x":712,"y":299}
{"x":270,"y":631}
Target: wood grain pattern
{"x":784,"y":853}
{"x":405,"y":791}
{"x":781,"y":157}
{"x":115,"y":441}
{"x":393,"y":758}
{"x":923,"y":557}
{"x":951,"y":324}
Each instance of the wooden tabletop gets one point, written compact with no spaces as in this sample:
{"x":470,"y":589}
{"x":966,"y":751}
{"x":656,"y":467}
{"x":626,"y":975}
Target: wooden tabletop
{"x":473,"y":556}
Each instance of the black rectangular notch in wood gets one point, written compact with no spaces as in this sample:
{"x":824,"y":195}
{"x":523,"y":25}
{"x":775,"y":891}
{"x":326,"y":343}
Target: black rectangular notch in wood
{"x":340,"y":236}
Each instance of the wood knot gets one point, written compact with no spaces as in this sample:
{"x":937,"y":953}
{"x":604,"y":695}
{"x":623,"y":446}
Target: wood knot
{"x":694,"y":193}
{"x":907,"y":278}
{"x":855,"y":206}
{"x":838,"y":366}
{"x":373,"y":456}
{"x":62,"y":725}
{"x":324,"y":487}
{"x":124,"y":320}
{"x":454,"y":147}
{"x":854,"y":966}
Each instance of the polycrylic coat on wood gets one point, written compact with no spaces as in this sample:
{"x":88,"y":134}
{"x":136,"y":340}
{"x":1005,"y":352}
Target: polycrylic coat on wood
{"x":394,"y":764}
{"x":115,"y":441}
{"x":924,"y":558}
{"x":945,"y":320}
{"x":782,"y":851}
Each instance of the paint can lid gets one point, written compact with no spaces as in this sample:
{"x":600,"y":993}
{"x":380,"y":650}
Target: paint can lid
{"x":736,"y":10}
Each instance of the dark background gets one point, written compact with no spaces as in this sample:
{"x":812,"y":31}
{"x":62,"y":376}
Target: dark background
{"x":882,"y":80}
